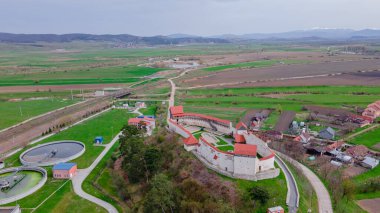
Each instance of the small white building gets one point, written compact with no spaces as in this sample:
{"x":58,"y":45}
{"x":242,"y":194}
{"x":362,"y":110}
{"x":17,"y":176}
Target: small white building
{"x":99,"y":93}
{"x":140,"y":104}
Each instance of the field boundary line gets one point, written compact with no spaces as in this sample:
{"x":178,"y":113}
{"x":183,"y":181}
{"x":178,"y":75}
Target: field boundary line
{"x":50,"y":196}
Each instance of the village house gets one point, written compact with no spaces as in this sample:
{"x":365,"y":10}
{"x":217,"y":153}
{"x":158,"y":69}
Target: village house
{"x":370,"y":162}
{"x":357,"y":152}
{"x":327,"y":133}
{"x":143,"y":122}
{"x":372,"y":110}
{"x":140,"y":105}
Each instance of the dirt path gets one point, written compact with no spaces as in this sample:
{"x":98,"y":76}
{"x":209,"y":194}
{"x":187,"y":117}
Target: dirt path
{"x":363,"y":131}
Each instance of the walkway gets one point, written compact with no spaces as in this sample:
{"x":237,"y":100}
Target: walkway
{"x":362,"y":131}
{"x":324,"y":201}
{"x":83,"y":173}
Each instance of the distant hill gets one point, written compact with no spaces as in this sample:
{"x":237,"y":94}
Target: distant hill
{"x":332,"y":34}
{"x":125,"y":38}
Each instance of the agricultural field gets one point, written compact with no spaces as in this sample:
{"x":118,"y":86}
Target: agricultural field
{"x":233,"y":102}
{"x":254,"y":64}
{"x":270,"y":76}
{"x":369,"y":139}
{"x":18,"y":107}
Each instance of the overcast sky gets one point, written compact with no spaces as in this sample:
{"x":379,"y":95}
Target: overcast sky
{"x":201,"y":17}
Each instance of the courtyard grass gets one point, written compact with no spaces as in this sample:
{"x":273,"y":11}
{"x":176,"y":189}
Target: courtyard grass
{"x":226,"y":148}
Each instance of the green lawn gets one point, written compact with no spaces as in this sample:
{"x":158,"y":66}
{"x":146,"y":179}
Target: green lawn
{"x":369,"y":139}
{"x":12,"y":113}
{"x":150,"y":110}
{"x":100,"y":184}
{"x":254,"y":64}
{"x":107,"y":125}
{"x":65,"y":200}
{"x":276,"y":188}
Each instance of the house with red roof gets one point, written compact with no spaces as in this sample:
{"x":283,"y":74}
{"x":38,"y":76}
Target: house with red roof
{"x":143,"y":122}
{"x":372,"y":110}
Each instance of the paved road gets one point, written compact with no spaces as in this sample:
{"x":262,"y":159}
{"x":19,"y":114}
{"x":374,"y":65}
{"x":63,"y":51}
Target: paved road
{"x":324,"y":201}
{"x":292,"y":197}
{"x":83,"y":173}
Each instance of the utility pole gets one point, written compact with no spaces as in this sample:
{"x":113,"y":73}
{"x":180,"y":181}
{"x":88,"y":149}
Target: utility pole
{"x":72,"y":97}
{"x":20,"y":111}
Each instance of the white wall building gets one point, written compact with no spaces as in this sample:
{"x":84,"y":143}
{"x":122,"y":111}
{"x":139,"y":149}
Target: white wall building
{"x":244,"y":162}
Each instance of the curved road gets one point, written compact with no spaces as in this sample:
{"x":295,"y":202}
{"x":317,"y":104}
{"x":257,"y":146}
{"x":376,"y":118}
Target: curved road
{"x":83,"y":173}
{"x":324,"y":201}
{"x":292,"y":197}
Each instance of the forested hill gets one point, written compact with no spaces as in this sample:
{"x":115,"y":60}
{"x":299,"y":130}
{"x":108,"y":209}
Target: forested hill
{"x":125,"y":38}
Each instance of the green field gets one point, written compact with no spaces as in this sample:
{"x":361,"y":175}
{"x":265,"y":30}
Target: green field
{"x":368,"y":139}
{"x":107,"y":125}
{"x":232,"y":103}
{"x":13,"y":112}
{"x":254,"y":64}
{"x":118,"y":74}
{"x":276,"y":188}
{"x":100,"y":183}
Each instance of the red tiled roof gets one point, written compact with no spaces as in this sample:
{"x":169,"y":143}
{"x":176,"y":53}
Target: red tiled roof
{"x":175,"y":110}
{"x":334,"y":145}
{"x":268,"y":157}
{"x":245,"y":149}
{"x":241,"y":124}
{"x":239,"y":138}
{"x":356,"y":151}
{"x":135,"y":120}
{"x":190,"y":140}
{"x":205,"y":117}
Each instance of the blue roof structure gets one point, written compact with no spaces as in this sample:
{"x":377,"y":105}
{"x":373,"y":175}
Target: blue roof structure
{"x":64,"y":166}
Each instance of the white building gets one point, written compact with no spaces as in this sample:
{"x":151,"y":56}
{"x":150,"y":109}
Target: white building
{"x":244,"y":162}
